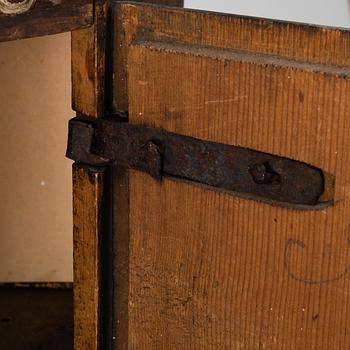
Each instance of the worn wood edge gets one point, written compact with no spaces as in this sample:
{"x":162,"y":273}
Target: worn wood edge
{"x":89,"y":61}
{"x":147,"y":104}
{"x":88,"y":48}
{"x":125,"y":28}
{"x":46,"y":18}
{"x":261,"y":59}
{"x":170,"y":20}
{"x":254,"y":35}
{"x":87,"y":204}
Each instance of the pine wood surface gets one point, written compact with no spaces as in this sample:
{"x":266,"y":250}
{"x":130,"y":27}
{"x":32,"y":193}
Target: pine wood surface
{"x":89,"y":64}
{"x":305,"y":43}
{"x":45,"y":17}
{"x":208,"y":270}
{"x":87,"y":204}
{"x":91,"y":88}
{"x":88,"y":97}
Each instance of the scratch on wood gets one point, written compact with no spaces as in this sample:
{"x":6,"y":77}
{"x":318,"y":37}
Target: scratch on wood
{"x":237,"y":98}
{"x":294,"y":242}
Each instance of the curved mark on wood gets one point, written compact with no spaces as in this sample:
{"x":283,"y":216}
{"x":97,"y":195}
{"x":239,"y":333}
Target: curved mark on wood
{"x":287,"y":253}
{"x":15,"y":8}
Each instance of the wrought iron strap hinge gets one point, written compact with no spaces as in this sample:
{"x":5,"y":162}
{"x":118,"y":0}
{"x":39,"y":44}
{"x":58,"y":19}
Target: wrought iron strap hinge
{"x":245,"y":172}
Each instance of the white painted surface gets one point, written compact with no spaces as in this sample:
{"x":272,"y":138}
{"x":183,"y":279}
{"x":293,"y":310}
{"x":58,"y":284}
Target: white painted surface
{"x":322,"y":12}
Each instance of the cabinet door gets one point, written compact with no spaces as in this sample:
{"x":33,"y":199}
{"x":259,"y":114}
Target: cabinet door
{"x":92,"y":195}
{"x":198,"y":268}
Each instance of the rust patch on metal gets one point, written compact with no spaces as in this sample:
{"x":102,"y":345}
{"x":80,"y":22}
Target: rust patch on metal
{"x":249,"y":173}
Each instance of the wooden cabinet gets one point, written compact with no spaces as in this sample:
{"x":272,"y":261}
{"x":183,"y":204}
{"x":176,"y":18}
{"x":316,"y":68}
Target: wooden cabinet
{"x":213,"y":270}
{"x":185,"y":265}
{"x":167,"y":258}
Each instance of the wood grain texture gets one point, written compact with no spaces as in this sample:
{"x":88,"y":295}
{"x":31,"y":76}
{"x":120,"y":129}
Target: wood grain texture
{"x":208,"y":270}
{"x":291,"y":41}
{"x":126,"y":28}
{"x":89,"y":64}
{"x":121,"y":196}
{"x":91,"y":77}
{"x":87,"y":201}
{"x":46,"y":17}
{"x":88,"y":97}
{"x":92,"y":55}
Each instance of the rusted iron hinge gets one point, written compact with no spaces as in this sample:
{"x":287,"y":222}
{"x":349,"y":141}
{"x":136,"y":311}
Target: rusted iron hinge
{"x":241,"y":171}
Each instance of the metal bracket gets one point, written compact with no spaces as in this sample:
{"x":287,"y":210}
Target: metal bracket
{"x":245,"y":172}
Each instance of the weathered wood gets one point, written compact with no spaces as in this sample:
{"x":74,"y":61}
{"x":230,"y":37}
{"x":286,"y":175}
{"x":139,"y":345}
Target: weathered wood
{"x":126,"y":30}
{"x":89,"y":63}
{"x":42,"y":17}
{"x":91,"y":91}
{"x":287,"y":40}
{"x":210,"y":271}
{"x":88,"y":97}
{"x":90,"y":81}
{"x":87,"y":204}
{"x":121,"y":200}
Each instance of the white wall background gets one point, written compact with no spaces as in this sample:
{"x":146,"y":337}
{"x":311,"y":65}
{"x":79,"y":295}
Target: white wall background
{"x":323,"y":12}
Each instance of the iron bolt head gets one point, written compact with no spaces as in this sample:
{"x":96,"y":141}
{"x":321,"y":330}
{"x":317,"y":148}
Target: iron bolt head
{"x":263,"y":174}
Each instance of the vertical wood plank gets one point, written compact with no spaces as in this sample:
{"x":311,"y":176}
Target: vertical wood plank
{"x":88,"y":98}
{"x":125,"y":27}
{"x":121,"y":194}
{"x":89,"y":63}
{"x":87,"y":205}
{"x":213,"y":271}
{"x":284,"y":39}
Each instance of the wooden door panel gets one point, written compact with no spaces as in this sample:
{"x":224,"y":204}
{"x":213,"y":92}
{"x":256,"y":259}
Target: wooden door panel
{"x":207,"y":269}
{"x":273,"y":105}
{"x":292,"y":41}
